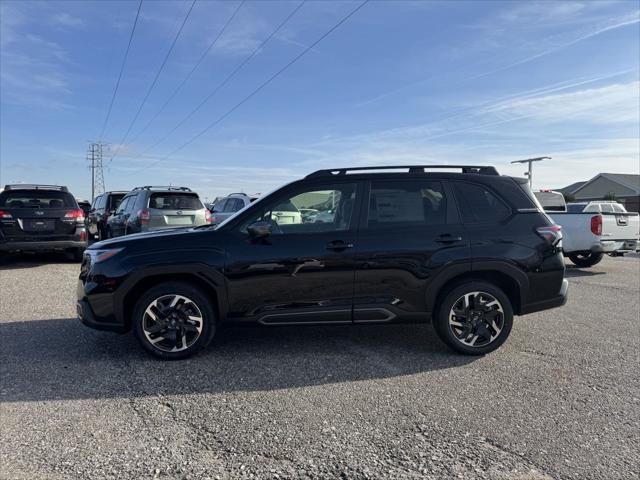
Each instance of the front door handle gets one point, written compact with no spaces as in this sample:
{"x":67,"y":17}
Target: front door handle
{"x":339,"y":245}
{"x":448,"y":238}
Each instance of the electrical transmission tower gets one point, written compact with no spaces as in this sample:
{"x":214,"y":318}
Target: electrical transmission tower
{"x":94,"y":156}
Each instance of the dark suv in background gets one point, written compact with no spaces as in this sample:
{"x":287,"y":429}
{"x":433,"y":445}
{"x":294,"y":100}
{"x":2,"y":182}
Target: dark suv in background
{"x":103,"y":207}
{"x":145,"y":209}
{"x":36,"y":218}
{"x":467,"y":251}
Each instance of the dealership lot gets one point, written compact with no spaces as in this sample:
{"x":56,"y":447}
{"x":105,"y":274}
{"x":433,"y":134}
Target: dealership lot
{"x":561,"y":399}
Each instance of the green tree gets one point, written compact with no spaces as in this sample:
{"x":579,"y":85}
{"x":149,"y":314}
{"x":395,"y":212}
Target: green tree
{"x":610,"y":196}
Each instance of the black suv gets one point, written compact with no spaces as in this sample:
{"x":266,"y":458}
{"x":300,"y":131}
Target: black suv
{"x":467,"y":250}
{"x":103,"y":207}
{"x":41,"y":218}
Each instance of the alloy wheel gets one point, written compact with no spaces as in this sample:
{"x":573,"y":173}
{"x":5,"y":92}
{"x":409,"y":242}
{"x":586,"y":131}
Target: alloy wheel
{"x":476,"y":319}
{"x":172,"y":323}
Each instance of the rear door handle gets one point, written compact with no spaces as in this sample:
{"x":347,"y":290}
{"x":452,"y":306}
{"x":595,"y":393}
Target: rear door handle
{"x":339,"y":245}
{"x":448,"y":238}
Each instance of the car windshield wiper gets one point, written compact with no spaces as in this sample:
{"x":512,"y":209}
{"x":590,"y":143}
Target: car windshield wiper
{"x":206,"y":225}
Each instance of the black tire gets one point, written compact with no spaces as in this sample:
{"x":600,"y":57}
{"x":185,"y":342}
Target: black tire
{"x":586,"y":259}
{"x":164,"y":291}
{"x":479,"y":321}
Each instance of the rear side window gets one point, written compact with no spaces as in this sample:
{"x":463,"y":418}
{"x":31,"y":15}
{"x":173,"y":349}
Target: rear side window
{"x":123,"y":205}
{"x":478,"y":204}
{"x":36,"y":199}
{"x":233,"y":205}
{"x":395,"y":204}
{"x":175,"y":201}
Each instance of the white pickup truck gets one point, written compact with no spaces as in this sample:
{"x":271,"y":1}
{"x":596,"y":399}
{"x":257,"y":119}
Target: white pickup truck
{"x":591,"y":229}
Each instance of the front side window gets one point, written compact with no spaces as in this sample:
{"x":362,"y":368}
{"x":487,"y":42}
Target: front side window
{"x":478,"y":204}
{"x":114,"y":201}
{"x":313,"y":209}
{"x":124,"y":204}
{"x":394,"y":204}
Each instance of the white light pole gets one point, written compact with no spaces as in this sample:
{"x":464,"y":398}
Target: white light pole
{"x":529,"y":173}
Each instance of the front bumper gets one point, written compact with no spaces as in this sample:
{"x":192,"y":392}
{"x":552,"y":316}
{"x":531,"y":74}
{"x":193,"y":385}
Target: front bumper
{"x":553,"y":302}
{"x":42,"y":246}
{"x":87,"y":317}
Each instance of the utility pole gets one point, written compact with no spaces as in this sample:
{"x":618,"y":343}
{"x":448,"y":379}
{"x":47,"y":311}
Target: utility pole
{"x":529,"y":173}
{"x":94,"y":156}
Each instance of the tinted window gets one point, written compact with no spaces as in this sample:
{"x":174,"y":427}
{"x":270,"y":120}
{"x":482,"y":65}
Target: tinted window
{"x":233,"y":205}
{"x":175,"y":201}
{"x":607,"y":207}
{"x":97,"y":203}
{"x":123,"y":205}
{"x":413,"y":203}
{"x":478,"y":204}
{"x":114,"y":200}
{"x":618,"y":208}
{"x":36,"y":199}
{"x":313,"y":209}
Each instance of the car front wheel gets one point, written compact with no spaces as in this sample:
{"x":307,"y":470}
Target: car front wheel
{"x":474,"y":318}
{"x":174,"y":320}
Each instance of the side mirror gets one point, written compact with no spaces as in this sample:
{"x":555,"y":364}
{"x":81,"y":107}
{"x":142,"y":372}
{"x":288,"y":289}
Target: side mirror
{"x":259,"y":229}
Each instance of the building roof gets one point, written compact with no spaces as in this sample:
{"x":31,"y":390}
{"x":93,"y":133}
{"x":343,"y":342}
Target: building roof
{"x":569,"y":189}
{"x":626,"y":180}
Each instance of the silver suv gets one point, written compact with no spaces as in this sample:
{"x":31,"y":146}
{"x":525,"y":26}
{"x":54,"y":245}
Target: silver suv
{"x":229,"y":205}
{"x":149,"y":208}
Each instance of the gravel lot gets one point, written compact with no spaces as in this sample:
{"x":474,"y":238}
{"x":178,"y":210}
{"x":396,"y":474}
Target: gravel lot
{"x":561,"y":399}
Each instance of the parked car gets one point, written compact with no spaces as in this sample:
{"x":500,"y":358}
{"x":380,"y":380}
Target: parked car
{"x":36,"y":218}
{"x":467,"y":250}
{"x":103,"y":207}
{"x":145,"y":209}
{"x":591,"y":229}
{"x":229,"y":206}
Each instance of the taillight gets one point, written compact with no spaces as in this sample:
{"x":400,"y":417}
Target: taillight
{"x":5,"y":215}
{"x":596,"y":224}
{"x":551,"y":233}
{"x":144,"y":215}
{"x":207,"y":216}
{"x":78,"y":214}
{"x":83,"y":235}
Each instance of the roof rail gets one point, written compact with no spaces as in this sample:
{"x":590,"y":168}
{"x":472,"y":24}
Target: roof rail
{"x":477,"y":169}
{"x":162,"y":187}
{"x":31,"y":186}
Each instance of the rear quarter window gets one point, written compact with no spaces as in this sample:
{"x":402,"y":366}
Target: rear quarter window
{"x":478,"y":204}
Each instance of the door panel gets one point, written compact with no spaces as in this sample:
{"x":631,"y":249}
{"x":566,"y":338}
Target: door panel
{"x":301,"y":273}
{"x":409,"y":235}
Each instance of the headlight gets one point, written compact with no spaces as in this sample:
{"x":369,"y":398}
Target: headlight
{"x":100,"y":255}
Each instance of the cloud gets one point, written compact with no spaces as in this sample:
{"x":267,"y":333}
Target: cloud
{"x":67,"y":20}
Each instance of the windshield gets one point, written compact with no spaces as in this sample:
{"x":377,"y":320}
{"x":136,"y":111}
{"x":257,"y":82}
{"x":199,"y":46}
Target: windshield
{"x":36,"y":199}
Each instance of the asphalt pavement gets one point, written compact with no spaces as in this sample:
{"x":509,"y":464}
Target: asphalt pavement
{"x":560,"y":400}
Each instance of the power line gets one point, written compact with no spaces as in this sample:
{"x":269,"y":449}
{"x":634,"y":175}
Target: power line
{"x":153,"y":84}
{"x":260,"y":87}
{"x":195,"y":67}
{"x":124,"y":61}
{"x":225,"y":81}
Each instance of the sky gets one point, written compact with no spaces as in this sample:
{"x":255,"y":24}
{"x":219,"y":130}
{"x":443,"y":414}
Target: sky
{"x":413,"y":82}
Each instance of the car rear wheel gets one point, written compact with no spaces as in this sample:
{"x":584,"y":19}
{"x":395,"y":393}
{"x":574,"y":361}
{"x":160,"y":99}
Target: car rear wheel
{"x":586,"y":259}
{"x":174,"y":320}
{"x":474,"y":318}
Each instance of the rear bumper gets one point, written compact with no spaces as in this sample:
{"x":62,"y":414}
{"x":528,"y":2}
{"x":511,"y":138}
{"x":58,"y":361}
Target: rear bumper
{"x":41,"y":246}
{"x":553,"y":302}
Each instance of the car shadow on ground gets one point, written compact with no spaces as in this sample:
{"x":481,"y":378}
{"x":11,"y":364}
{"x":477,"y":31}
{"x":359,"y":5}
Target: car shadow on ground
{"x":59,"y":359}
{"x":16,"y":261}
{"x":573,"y":272}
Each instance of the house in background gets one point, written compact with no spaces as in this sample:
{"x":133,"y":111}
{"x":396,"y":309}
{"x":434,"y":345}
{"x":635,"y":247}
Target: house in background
{"x":625,"y":187}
